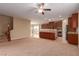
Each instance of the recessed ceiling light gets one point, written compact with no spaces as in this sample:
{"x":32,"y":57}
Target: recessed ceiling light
{"x":49,"y":19}
{"x":60,"y":16}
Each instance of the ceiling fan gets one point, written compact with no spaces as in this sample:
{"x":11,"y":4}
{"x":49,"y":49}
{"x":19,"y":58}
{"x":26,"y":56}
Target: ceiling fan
{"x":42,"y":9}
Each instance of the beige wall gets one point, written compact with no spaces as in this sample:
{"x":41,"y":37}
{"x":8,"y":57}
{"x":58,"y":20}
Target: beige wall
{"x":21,"y":28}
{"x":4,"y":20}
{"x":78,"y":29}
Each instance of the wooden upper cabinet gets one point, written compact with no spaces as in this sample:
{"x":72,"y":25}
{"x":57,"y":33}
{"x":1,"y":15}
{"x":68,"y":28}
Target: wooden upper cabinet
{"x":73,"y":22}
{"x":70,"y":24}
{"x":45,"y":26}
{"x":42,"y":26}
{"x":52,"y":25}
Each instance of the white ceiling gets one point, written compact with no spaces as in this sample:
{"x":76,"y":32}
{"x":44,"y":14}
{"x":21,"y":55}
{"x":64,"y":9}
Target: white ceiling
{"x":28,"y":10}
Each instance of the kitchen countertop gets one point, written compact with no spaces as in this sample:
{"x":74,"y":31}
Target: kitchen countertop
{"x":48,"y":30}
{"x":72,"y":32}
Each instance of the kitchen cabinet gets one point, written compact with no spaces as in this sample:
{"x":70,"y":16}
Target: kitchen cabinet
{"x":73,"y":39}
{"x":72,"y":31}
{"x":73,"y":22}
{"x":47,"y":35}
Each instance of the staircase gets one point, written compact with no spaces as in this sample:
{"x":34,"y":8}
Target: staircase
{"x":8,"y":33}
{"x":5,"y":34}
{"x":3,"y":38}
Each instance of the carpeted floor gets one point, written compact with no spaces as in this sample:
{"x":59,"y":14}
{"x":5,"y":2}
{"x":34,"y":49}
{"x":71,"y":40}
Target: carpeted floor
{"x":37,"y":47}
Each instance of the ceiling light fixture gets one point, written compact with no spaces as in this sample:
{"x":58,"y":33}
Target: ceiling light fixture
{"x":49,"y":19}
{"x":40,"y":10}
{"x":60,"y":16}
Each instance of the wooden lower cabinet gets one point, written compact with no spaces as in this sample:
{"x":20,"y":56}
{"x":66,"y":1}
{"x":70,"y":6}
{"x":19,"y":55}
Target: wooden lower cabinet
{"x":72,"y":38}
{"x":47,"y":35}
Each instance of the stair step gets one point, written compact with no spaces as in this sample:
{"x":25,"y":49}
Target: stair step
{"x":3,"y":39}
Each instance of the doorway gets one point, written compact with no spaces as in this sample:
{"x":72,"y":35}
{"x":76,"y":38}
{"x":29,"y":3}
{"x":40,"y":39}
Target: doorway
{"x":35,"y":30}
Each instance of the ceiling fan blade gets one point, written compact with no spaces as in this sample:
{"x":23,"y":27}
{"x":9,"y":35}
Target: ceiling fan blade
{"x":47,"y":9}
{"x":42,"y":13}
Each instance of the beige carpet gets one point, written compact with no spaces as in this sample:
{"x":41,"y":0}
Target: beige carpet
{"x":37,"y":47}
